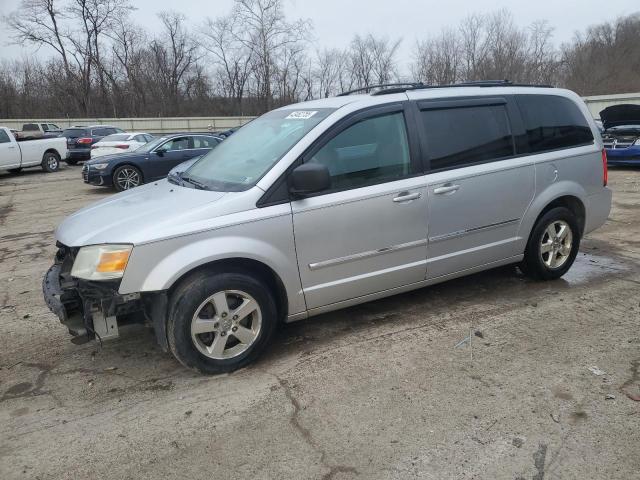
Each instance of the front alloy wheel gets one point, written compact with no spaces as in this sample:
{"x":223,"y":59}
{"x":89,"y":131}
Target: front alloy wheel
{"x":220,"y":321}
{"x":127,"y":177}
{"x":226,"y":324}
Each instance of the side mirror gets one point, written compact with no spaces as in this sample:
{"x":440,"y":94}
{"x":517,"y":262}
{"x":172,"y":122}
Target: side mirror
{"x":309,"y":178}
{"x":161,"y":151}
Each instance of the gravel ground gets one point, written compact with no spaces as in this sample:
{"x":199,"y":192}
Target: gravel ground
{"x":374,"y":391}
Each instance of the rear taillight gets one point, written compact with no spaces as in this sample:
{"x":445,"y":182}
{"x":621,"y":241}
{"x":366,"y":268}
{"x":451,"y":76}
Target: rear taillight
{"x":123,"y":147}
{"x":84,"y":141}
{"x":605,"y":170}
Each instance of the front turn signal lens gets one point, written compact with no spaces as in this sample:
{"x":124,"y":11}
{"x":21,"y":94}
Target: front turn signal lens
{"x":101,"y":262}
{"x":113,"y":261}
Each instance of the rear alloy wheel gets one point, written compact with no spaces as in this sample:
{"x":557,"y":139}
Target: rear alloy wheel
{"x":219,"y":322}
{"x":50,"y":162}
{"x":126,"y":177}
{"x":553,"y":245}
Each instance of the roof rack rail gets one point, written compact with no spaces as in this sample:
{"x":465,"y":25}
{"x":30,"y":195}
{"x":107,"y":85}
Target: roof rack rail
{"x":403,"y":86}
{"x":390,"y":88}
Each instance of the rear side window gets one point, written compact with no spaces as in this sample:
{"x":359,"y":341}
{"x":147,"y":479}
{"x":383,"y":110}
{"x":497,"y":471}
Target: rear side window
{"x":374,"y":150}
{"x":30,"y":127}
{"x":4,"y":138}
{"x":204,"y":142}
{"x":552,"y":123}
{"x":466,"y":135}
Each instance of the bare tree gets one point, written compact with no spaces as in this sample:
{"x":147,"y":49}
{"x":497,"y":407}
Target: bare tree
{"x":268,"y":35}
{"x":232,"y":56}
{"x":174,"y":53}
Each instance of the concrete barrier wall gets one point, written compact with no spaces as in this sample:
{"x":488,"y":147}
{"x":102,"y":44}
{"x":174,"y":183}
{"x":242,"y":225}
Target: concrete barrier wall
{"x":200,"y":124}
{"x":149,"y":125}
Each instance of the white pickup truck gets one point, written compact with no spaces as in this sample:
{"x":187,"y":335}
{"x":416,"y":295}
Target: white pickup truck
{"x":45,"y":152}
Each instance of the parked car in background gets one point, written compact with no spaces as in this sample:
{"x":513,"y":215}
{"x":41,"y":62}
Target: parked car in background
{"x":150,"y":162}
{"x":621,"y":135}
{"x":81,"y":139}
{"x":331,"y":203}
{"x":42,"y":152}
{"x":39,"y":130}
{"x":120,"y":143}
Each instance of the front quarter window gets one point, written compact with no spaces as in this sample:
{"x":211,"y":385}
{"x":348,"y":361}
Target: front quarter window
{"x":243,"y":158}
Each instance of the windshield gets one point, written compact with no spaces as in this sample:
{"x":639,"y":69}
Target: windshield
{"x":243,"y":158}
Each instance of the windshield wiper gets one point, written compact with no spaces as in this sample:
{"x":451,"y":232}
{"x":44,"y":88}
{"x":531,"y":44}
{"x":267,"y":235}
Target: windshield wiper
{"x":195,"y":183}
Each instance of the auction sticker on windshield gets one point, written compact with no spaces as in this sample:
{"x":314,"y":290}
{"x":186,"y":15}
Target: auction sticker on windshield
{"x":301,"y":115}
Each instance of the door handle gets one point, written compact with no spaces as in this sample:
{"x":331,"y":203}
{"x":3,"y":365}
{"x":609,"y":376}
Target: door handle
{"x":12,"y":147}
{"x":446,"y":189}
{"x":406,"y":197}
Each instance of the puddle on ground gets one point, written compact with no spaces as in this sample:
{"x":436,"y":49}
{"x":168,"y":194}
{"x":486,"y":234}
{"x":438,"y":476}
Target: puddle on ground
{"x":589,"y":267}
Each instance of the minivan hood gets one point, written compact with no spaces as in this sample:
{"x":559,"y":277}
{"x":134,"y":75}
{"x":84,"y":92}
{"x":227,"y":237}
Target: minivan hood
{"x":620,"y":115}
{"x":143,"y":214}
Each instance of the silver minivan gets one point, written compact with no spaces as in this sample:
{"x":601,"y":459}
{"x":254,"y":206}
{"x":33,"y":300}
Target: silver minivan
{"x":330,"y":203}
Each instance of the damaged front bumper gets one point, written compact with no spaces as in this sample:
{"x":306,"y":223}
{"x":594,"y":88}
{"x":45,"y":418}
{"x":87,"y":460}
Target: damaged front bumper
{"x":94,"y":310}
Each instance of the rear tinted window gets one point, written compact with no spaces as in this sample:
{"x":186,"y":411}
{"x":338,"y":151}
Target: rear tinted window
{"x":552,"y":123}
{"x":463,"y":136}
{"x":118,"y":137}
{"x":74,"y":132}
{"x":101,"y":132}
{"x":30,"y":127}
{"x":204,"y":142}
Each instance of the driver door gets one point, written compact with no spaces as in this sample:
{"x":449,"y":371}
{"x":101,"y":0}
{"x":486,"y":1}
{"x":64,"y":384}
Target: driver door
{"x":368,"y":233}
{"x":170,"y":154}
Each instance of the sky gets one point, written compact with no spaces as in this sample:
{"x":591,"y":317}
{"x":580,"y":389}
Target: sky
{"x":337,"y":21}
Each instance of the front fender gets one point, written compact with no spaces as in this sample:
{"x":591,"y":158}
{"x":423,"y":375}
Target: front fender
{"x":157,"y":266}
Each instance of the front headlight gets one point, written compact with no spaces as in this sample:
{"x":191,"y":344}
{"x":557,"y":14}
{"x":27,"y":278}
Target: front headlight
{"x":99,"y":166}
{"x":101,"y":262}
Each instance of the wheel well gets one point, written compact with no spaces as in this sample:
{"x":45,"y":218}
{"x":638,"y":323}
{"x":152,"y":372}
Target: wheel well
{"x":51,"y":150}
{"x":250,"y":267}
{"x":572,"y":203}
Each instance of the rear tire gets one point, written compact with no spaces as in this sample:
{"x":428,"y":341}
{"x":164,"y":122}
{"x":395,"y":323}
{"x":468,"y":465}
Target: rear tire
{"x":50,"y":162}
{"x":553,"y":245}
{"x":220,"y":322}
{"x":126,"y":177}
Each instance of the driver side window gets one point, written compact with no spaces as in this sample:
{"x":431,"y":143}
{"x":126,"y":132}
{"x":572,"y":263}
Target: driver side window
{"x":374,"y":150}
{"x":178,"y":143}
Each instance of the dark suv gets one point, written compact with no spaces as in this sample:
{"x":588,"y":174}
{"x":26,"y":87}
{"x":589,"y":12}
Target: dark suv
{"x":80,"y":139}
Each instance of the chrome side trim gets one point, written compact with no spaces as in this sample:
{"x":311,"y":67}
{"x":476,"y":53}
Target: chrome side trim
{"x":460,"y":233}
{"x":368,"y":254}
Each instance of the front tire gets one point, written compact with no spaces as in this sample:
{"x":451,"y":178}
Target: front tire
{"x":553,"y":245}
{"x":127,"y":177}
{"x":220,"y":322}
{"x":50,"y":162}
